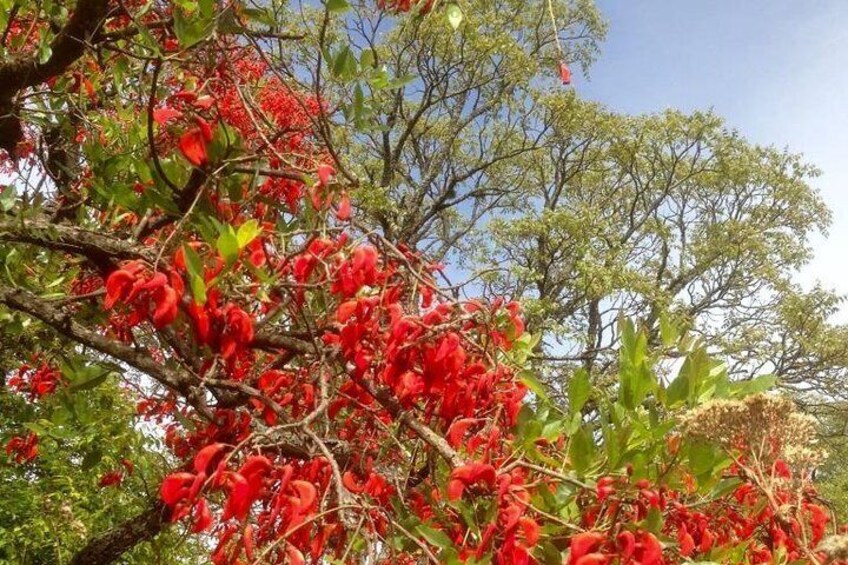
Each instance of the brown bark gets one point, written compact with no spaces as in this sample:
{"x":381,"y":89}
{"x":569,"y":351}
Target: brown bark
{"x":109,"y":546}
{"x":19,"y":73}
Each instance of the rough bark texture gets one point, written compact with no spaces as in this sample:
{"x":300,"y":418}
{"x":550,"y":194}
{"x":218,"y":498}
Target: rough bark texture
{"x":109,"y":546}
{"x":19,"y":73}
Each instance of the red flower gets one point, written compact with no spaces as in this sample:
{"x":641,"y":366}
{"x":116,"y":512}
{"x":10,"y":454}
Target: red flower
{"x":24,"y":448}
{"x":176,"y":487}
{"x":202,"y":517}
{"x":564,"y":73}
{"x":685,"y":541}
{"x":648,"y":549}
{"x":469,"y":475}
{"x":165,"y":313}
{"x":343,"y":212}
{"x":111,"y":478}
{"x":165,"y":114}
{"x":458,"y":429}
{"x":208,"y":457}
{"x":324,"y":174}
{"x":584,"y":544}
{"x":118,"y":286}
{"x":193,"y":146}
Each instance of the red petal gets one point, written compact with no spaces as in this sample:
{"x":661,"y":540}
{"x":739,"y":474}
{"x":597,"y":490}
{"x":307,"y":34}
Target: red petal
{"x":158,"y":280}
{"x":165,"y":114}
{"x":175,"y":487}
{"x":651,"y":549}
{"x":238,"y":503}
{"x":345,"y":311}
{"x":205,"y":129}
{"x":585,"y":543}
{"x":324,"y":174}
{"x":294,"y":555}
{"x":626,"y":543}
{"x":117,"y":285}
{"x":202,"y":516}
{"x":255,"y":464}
{"x":350,"y":483}
{"x":306,"y":493}
{"x":208,"y":457}
{"x":474,"y":473}
{"x":458,"y":429}
{"x":455,"y":489}
{"x":193,"y":147}
{"x":247,"y":541}
{"x":564,"y":73}
{"x":343,"y":213}
{"x":166,"y":307}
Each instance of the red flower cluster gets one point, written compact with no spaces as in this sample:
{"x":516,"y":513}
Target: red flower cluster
{"x":24,"y":448}
{"x":399,"y":6}
{"x":36,"y":381}
{"x":134,"y":285}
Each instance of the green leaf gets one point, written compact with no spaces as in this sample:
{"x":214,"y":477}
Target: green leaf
{"x":366,"y":60}
{"x":193,"y":262}
{"x":435,"y":537}
{"x":579,"y":389}
{"x":668,"y":331}
{"x":344,"y":64}
{"x":91,"y":381}
{"x":247,"y":232}
{"x":228,"y":245}
{"x":454,"y":15}
{"x":198,"y":289}
{"x":37,"y":428}
{"x":207,"y":8}
{"x":192,"y":29}
{"x":7,"y":198}
{"x":678,"y":390}
{"x":581,"y":450}
{"x":533,"y":383}
{"x":338,"y":6}
{"x":754,"y":386}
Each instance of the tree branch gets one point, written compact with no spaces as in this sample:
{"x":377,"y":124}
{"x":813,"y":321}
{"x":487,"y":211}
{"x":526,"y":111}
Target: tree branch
{"x":94,"y":245}
{"x":62,"y":323}
{"x":109,"y":546}
{"x":19,"y":73}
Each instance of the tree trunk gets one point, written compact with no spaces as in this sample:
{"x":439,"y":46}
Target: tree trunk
{"x":109,"y":546}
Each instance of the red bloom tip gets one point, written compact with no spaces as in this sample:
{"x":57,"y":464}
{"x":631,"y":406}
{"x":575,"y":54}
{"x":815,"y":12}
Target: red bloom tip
{"x":208,"y":457}
{"x":583,"y":544}
{"x":193,"y":147}
{"x":175,"y":487}
{"x":324,"y":174}
{"x":165,"y":114}
{"x":343,"y":211}
{"x":564,"y":73}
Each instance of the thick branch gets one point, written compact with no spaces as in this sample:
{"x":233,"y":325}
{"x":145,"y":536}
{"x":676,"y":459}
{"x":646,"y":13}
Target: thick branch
{"x":405,"y":417}
{"x":108,"y":547}
{"x":19,"y":73}
{"x":94,"y":245}
{"x":61,"y":322}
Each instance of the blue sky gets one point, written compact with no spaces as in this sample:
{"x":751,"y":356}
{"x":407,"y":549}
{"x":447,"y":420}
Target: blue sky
{"x":777,"y":70}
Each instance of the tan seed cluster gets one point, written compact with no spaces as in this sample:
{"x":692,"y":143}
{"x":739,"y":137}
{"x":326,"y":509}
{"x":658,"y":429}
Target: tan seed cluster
{"x":835,"y":547}
{"x":767,"y":425}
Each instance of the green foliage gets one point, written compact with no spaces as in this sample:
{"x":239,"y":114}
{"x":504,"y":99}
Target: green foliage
{"x":54,"y":505}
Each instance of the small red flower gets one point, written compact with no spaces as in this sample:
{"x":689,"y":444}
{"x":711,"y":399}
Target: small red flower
{"x":165,"y":114}
{"x":564,"y":73}
{"x":193,"y":147}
